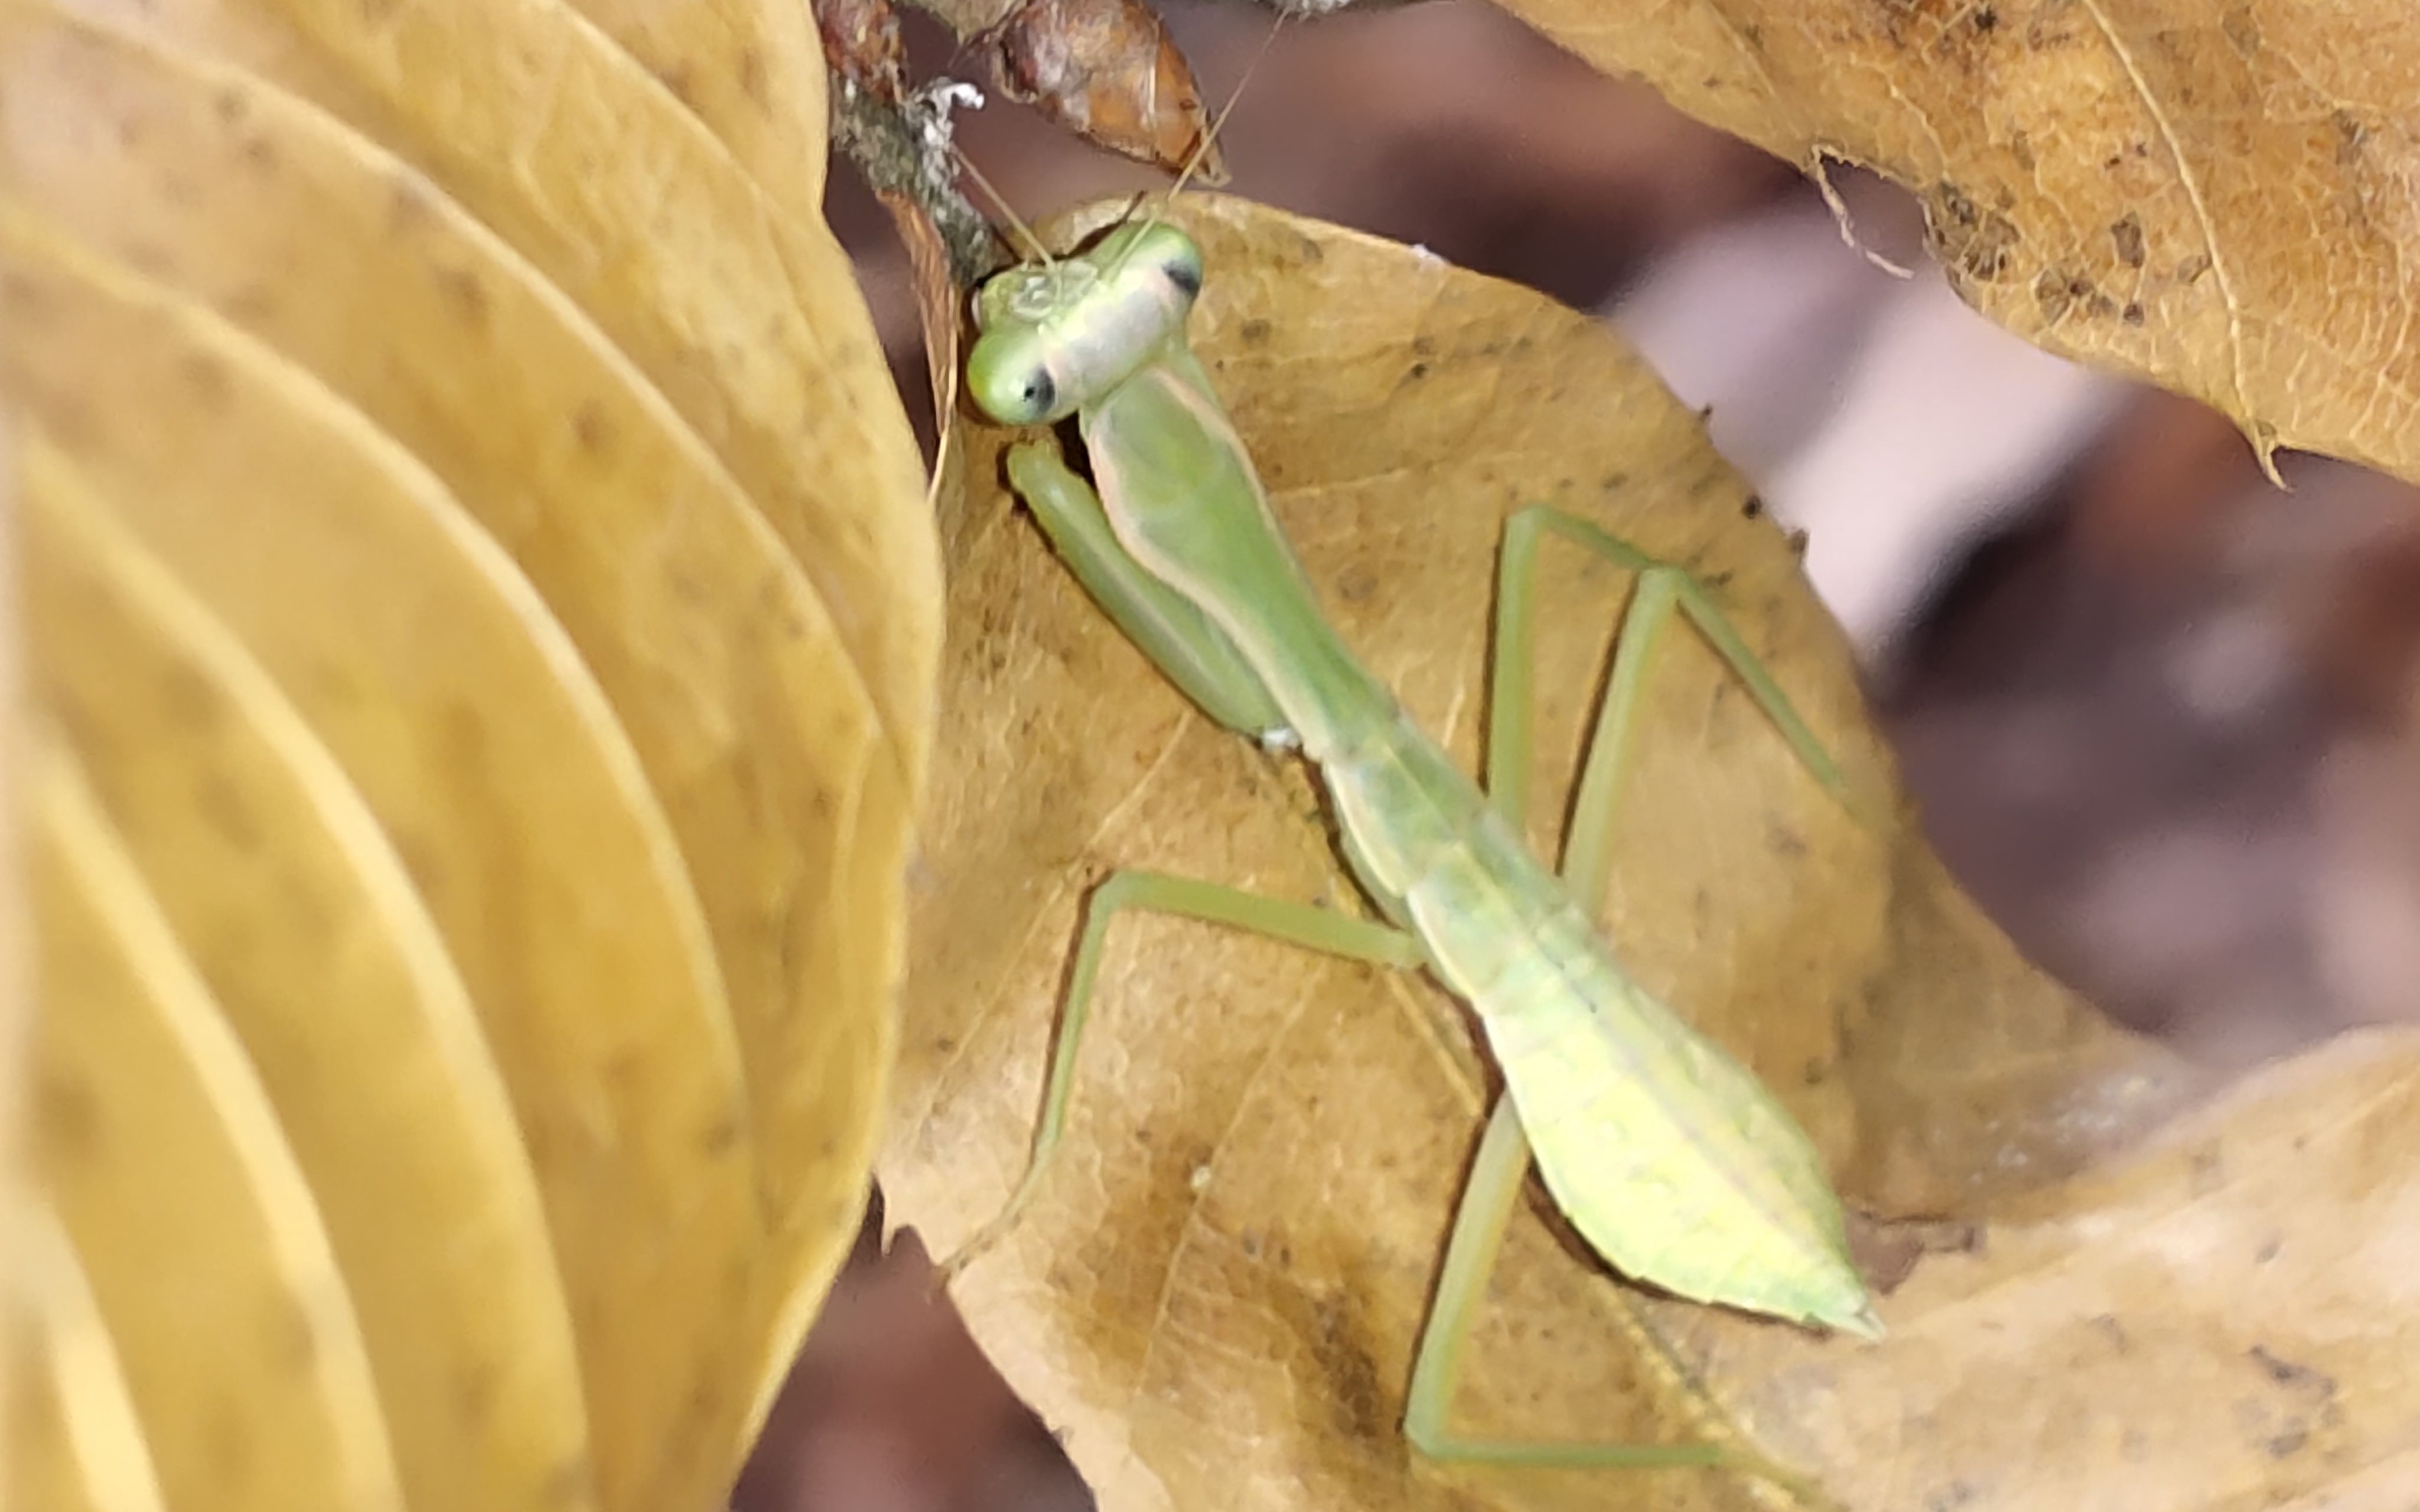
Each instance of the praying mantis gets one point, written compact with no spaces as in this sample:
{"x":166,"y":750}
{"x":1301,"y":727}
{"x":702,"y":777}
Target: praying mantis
{"x":1671,"y":1160}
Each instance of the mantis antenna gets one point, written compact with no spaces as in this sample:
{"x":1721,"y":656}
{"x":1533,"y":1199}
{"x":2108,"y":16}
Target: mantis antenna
{"x":1008,"y":213}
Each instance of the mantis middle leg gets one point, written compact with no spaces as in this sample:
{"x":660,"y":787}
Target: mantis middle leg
{"x":1305,"y":924}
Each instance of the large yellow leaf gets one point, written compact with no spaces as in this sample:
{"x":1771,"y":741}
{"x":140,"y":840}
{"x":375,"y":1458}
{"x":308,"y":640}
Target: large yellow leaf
{"x":480,"y":576}
{"x":1215,"y":1299}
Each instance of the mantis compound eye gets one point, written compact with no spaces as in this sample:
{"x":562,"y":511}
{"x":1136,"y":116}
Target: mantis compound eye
{"x":1183,"y":268}
{"x":1010,"y":376}
{"x":1039,"y":394}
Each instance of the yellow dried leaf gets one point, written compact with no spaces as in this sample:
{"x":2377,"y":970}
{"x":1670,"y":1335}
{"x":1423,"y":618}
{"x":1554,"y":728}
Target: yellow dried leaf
{"x":1216,"y":1299}
{"x":475,"y":451}
{"x":2219,"y":198}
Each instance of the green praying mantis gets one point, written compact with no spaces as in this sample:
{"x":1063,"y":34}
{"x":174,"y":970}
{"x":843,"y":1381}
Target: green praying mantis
{"x":1670,"y":1159}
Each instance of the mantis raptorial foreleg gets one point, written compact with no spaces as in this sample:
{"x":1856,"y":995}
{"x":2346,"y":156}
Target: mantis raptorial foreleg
{"x":1196,"y":655}
{"x":1179,"y":639}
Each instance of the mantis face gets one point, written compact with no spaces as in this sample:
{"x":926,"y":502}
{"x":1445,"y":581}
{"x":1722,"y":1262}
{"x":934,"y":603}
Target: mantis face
{"x":1058,"y":336}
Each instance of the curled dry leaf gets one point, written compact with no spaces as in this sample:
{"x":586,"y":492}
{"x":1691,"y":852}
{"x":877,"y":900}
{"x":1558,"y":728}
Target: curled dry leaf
{"x":1216,"y":1298}
{"x":1107,"y":71}
{"x":2220,"y":198}
{"x":478,"y":577}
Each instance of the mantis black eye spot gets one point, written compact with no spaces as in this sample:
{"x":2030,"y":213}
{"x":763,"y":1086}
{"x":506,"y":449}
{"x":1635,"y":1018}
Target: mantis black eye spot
{"x":1186,"y":274}
{"x":1039,"y":393}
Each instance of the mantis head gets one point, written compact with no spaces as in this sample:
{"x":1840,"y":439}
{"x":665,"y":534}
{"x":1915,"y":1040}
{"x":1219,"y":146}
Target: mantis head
{"x":1058,"y":336}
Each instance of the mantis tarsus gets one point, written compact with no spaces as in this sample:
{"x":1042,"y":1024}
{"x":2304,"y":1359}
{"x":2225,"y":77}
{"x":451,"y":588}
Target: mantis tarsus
{"x":1668,"y":1157}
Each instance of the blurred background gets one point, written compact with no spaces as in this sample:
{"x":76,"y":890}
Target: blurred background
{"x":2157,"y":713}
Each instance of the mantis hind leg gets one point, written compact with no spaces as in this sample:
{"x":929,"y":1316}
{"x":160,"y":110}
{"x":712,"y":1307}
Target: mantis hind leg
{"x":1662,"y":588}
{"x":1501,"y":1166}
{"x":1303,"y":924}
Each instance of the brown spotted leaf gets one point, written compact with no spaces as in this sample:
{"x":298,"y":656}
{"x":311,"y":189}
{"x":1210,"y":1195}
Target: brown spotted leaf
{"x":2220,"y":197}
{"x":1216,"y":1297}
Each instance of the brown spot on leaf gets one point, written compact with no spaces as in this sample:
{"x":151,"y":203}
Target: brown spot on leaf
{"x":1351,"y":1367}
{"x":1976,"y":241}
{"x":2126,"y":234}
{"x":2287,"y":1373}
{"x":2352,"y":134}
{"x":677,"y":79}
{"x":463,"y":292}
{"x":2054,"y":294}
{"x":206,"y":378}
{"x":223,"y":806}
{"x":591,"y":429}
{"x":67,"y":1116}
{"x":2241,"y":29}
